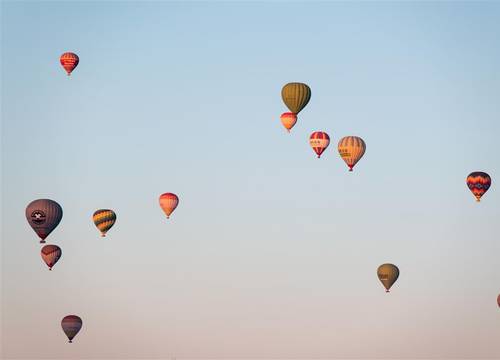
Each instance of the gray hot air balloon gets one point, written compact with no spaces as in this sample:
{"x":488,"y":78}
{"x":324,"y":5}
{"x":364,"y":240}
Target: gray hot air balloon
{"x":43,"y":215}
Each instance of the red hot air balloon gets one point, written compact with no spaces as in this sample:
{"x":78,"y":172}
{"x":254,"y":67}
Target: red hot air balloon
{"x":319,"y":141}
{"x":69,"y":61}
{"x":478,"y":182}
{"x":168,"y":203}
{"x":51,"y":255}
{"x":43,"y":215}
{"x":71,"y":325}
{"x":288,"y":120}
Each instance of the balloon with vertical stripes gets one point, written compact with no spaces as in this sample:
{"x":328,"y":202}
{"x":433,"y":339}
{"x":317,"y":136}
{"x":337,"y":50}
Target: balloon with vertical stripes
{"x":478,"y":183}
{"x":319,"y":141}
{"x":104,"y":219}
{"x":296,"y":96}
{"x":351,"y":149}
{"x":168,"y":203}
{"x":43,"y":215}
{"x":69,"y":61}
{"x":51,"y":255}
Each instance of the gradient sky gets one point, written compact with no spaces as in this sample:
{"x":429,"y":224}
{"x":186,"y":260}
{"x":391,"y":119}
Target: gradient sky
{"x":271,"y":253}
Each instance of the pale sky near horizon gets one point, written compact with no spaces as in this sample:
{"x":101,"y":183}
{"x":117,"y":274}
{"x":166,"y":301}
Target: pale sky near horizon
{"x":271,"y":253}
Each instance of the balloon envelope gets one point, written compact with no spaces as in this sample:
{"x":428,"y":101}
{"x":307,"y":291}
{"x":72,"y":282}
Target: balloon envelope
{"x":478,"y":183}
{"x":44,"y":215}
{"x":71,"y":325}
{"x":319,"y":141}
{"x":288,"y":120}
{"x":168,"y":203}
{"x":387,"y":274}
{"x":296,"y":96}
{"x":69,"y":61}
{"x":51,"y":255}
{"x":104,"y":219}
{"x":351,"y":149}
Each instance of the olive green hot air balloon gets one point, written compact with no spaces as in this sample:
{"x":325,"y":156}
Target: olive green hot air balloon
{"x":387,"y":274}
{"x":296,"y":96}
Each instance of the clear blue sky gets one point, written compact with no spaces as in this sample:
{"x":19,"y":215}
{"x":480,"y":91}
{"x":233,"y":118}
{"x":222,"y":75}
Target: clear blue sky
{"x":271,"y":253}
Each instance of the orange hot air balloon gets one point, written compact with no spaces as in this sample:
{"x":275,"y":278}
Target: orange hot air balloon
{"x":71,"y":325}
{"x":319,"y":141}
{"x":51,"y":255}
{"x":478,"y":183}
{"x":288,"y":120}
{"x":69,"y":61}
{"x":168,"y":203}
{"x":351,"y":149}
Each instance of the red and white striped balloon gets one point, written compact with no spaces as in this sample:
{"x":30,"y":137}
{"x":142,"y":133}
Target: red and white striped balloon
{"x":319,"y":141}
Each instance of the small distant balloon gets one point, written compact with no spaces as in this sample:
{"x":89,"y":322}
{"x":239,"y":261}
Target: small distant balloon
{"x":104,"y":219}
{"x":351,"y":149}
{"x":69,"y":61}
{"x":44,"y":215}
{"x":71,"y":325}
{"x":296,"y":96}
{"x":168,"y":203}
{"x":319,"y":141}
{"x":51,"y":255}
{"x":478,"y":183}
{"x":288,"y":120}
{"x":387,"y":274}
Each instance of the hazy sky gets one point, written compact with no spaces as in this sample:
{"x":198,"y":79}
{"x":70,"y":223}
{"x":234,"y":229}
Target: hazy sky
{"x":271,"y":253}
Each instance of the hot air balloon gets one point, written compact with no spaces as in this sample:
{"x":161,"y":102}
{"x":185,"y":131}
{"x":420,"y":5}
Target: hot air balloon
{"x":319,"y":141}
{"x":104,"y":219}
{"x":478,"y":182}
{"x":498,"y":300}
{"x":296,"y":96}
{"x":43,"y":215}
{"x":288,"y":120}
{"x":51,"y":255}
{"x":71,"y":325}
{"x":351,"y":149}
{"x":69,"y":61}
{"x":387,"y":274}
{"x":168,"y":203}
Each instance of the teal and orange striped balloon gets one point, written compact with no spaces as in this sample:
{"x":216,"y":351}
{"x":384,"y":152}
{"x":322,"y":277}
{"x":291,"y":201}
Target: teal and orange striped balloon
{"x":104,"y":219}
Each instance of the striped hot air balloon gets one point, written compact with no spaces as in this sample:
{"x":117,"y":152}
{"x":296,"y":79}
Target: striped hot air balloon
{"x":51,"y":255}
{"x":478,"y":182}
{"x":69,"y":61}
{"x":104,"y":219}
{"x":71,"y":325}
{"x":351,"y":149}
{"x":319,"y":141}
{"x":296,"y":96}
{"x":43,"y":215}
{"x":288,"y":120}
{"x":168,"y":203}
